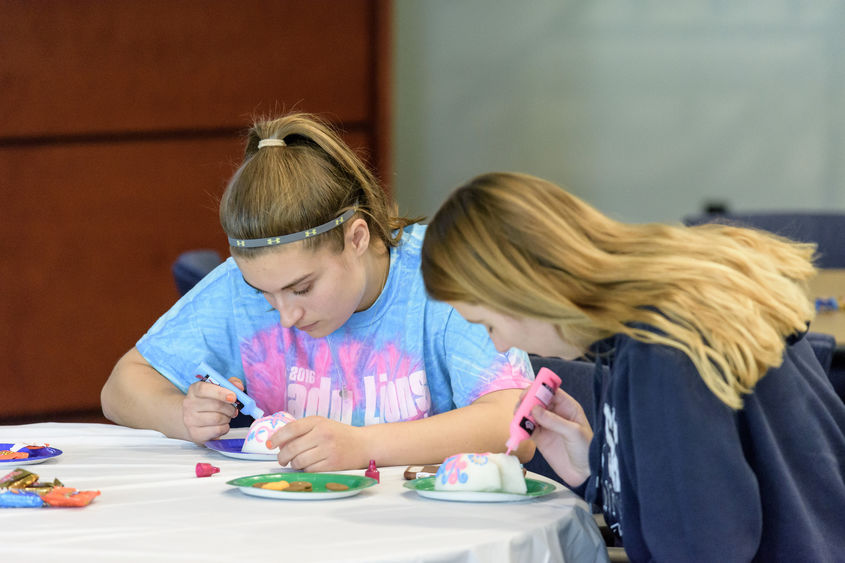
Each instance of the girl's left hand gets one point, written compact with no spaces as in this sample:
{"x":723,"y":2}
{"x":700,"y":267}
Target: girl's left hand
{"x":316,"y":443}
{"x":563,"y":435}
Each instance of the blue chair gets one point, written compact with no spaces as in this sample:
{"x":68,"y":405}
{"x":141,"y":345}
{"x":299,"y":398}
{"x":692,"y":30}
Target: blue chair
{"x":191,"y":266}
{"x":823,"y":228}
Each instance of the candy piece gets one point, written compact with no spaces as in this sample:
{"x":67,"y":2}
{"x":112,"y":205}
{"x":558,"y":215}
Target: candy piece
{"x":299,"y":487}
{"x":337,"y":487}
{"x":41,"y":488}
{"x":419,"y":471}
{"x":68,"y":496}
{"x":18,"y":479}
{"x":206,"y":470}
{"x":275,"y":485}
{"x":37,"y":488}
{"x":18,"y":499}
{"x":36,"y":446}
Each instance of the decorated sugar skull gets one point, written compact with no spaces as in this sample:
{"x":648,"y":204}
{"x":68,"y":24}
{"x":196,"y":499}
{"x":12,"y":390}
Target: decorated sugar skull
{"x":480,"y":472}
{"x":261,"y":430}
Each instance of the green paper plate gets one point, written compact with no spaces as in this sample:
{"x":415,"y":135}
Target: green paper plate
{"x":356,"y":484}
{"x":425,"y":488}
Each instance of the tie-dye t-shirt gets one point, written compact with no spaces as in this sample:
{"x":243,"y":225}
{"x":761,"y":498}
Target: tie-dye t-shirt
{"x":404,"y":358}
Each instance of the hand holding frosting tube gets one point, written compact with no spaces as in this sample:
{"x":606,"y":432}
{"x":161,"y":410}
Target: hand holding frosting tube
{"x":207,"y":410}
{"x":540,"y":393}
{"x":243,"y":402}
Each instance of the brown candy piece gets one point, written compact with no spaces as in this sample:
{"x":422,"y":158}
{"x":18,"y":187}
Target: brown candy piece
{"x":299,"y":487}
{"x":336,"y":487}
{"x":18,"y":479}
{"x":419,"y":471}
{"x":42,"y":488}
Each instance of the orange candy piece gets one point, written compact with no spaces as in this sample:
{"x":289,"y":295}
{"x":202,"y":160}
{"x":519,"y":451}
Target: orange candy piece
{"x":275,"y":485}
{"x":68,"y":496}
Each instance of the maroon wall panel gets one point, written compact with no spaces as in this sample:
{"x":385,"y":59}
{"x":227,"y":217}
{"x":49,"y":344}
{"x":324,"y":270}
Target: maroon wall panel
{"x":120,"y":124}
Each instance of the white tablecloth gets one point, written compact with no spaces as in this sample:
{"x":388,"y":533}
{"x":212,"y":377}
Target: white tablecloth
{"x":154,"y":508}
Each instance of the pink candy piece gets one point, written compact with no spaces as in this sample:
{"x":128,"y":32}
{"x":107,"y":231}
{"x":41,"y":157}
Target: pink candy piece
{"x":206,"y":470}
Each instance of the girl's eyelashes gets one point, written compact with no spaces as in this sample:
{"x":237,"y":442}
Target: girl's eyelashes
{"x":302,"y":291}
{"x":294,"y":291}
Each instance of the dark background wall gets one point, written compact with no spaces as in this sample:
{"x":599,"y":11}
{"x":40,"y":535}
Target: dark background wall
{"x":120,"y":123}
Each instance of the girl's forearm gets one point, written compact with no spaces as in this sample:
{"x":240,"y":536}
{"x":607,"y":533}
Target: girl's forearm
{"x":137,"y":396}
{"x":480,"y":427}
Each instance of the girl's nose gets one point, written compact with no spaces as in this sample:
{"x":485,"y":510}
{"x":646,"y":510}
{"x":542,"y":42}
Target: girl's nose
{"x":288,"y":315}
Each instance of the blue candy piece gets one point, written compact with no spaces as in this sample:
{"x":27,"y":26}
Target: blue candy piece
{"x":11,"y":499}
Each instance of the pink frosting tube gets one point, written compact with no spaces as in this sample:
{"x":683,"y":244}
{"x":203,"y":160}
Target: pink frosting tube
{"x":540,"y":393}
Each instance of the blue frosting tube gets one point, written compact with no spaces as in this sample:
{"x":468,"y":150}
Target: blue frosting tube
{"x":243,"y":402}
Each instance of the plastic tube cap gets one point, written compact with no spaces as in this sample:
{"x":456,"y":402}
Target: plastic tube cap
{"x":206,"y":470}
{"x":372,"y":471}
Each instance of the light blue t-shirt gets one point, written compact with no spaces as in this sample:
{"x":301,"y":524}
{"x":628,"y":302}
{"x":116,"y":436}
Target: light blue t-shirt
{"x":404,"y":358}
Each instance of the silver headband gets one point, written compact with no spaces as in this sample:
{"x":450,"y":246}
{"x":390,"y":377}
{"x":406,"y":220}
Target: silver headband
{"x":285,"y":239}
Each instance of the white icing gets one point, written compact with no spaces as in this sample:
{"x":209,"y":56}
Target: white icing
{"x":261,"y":430}
{"x":481,"y":472}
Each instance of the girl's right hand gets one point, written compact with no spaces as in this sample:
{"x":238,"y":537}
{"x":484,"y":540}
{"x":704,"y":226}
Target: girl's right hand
{"x":207,"y":410}
{"x":563,"y":434}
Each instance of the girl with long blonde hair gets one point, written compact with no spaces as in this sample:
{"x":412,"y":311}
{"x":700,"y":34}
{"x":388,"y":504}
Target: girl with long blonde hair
{"x":714,"y":400}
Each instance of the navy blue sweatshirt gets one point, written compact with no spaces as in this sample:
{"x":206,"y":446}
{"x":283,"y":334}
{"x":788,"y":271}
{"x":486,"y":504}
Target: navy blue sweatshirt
{"x":681,"y":476}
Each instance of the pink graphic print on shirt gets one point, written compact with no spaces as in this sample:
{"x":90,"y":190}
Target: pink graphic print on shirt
{"x":349,"y":382}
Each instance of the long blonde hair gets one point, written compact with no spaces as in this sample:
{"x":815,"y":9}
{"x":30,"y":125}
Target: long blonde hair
{"x":726,"y":297}
{"x":312,"y":179}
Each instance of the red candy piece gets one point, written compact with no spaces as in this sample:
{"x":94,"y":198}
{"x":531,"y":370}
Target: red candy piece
{"x":206,"y":470}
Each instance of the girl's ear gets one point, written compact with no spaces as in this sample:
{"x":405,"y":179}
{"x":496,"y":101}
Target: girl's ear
{"x":357,"y":236}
